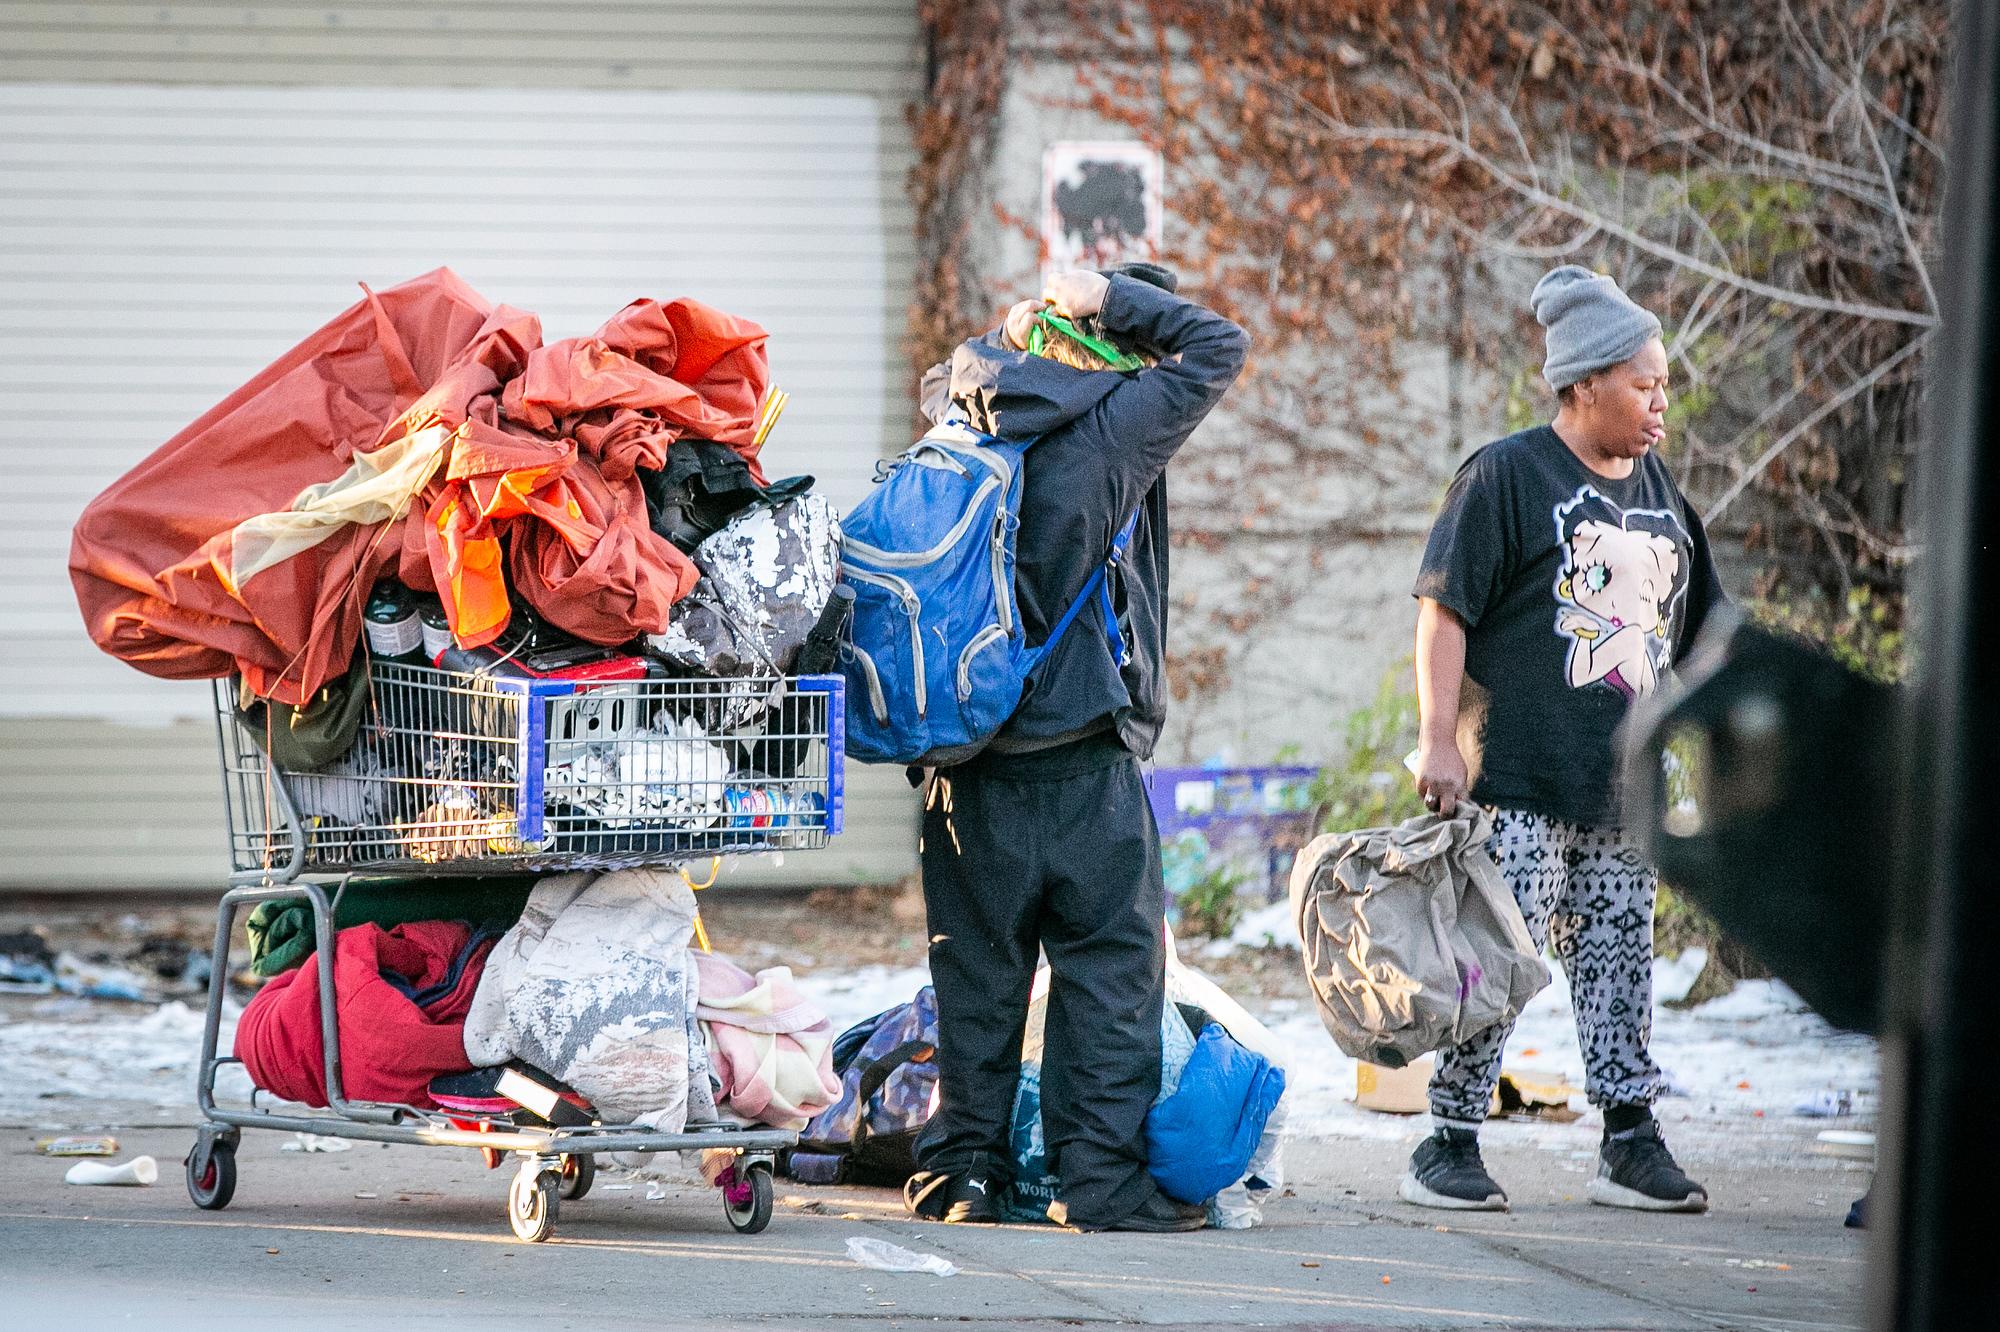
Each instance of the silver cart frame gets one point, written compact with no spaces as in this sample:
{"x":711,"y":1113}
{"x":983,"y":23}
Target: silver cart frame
{"x":555,"y":1160}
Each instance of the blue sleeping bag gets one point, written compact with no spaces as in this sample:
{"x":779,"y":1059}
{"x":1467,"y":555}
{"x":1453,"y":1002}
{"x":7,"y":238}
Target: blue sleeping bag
{"x":1199,"y":1139}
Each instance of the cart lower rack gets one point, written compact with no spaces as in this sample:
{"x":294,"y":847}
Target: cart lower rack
{"x":450,"y":774}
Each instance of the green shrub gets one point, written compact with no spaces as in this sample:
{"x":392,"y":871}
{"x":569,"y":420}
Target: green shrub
{"x":1368,"y":786}
{"x":1865,"y":634}
{"x":1210,"y":906}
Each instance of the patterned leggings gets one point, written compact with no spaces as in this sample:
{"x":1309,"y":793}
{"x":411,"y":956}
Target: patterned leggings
{"x":1590,"y":891}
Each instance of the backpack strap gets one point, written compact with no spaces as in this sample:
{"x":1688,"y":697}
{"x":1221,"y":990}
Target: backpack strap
{"x":1098,"y":588}
{"x":875,"y":1076}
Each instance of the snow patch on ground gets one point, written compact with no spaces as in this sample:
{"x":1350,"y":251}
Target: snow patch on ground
{"x":1737,"y":1066}
{"x":68,"y":1056}
{"x":1266,"y":927}
{"x":849,"y":996}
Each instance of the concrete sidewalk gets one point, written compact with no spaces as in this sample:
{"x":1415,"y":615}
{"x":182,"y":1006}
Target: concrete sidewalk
{"x":299,"y":1251}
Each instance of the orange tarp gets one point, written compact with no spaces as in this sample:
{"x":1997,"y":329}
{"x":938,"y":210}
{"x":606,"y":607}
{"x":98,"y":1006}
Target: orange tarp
{"x":534,"y":486}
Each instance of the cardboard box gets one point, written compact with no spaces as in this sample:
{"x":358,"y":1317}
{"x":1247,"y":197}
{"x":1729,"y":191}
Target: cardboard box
{"x":1403,"y":1091}
{"x":1393,"y":1091}
{"x":1542,"y":1093}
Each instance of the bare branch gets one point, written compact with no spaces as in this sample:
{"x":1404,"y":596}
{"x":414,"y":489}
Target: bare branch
{"x":1825,"y":409}
{"x":1852,"y":181}
{"x":1895,"y":203}
{"x":1513,"y":249}
{"x":1591,"y":217}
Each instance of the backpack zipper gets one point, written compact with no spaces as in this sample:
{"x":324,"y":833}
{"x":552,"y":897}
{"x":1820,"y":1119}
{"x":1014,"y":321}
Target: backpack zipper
{"x":979,"y":640}
{"x":1003,"y":588}
{"x":1003,"y":591}
{"x":912,"y":608}
{"x":951,"y":464}
{"x":903,"y":559}
{"x":877,"y":701}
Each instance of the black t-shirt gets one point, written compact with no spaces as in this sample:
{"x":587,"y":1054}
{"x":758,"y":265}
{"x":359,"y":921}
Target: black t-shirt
{"x":1578,"y":592}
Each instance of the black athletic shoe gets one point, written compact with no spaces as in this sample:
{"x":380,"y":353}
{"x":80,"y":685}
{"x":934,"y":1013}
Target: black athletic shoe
{"x":1160,"y":1215}
{"x":971,"y":1197}
{"x":1445,"y":1171}
{"x":1635,"y":1169}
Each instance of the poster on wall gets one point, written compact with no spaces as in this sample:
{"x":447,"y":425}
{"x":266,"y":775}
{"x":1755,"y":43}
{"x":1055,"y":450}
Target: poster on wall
{"x":1100,"y":204}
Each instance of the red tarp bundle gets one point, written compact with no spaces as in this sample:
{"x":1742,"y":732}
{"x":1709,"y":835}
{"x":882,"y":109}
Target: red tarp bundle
{"x":252,"y":538}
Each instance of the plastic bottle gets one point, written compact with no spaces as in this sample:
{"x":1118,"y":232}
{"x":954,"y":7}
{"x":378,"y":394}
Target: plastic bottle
{"x":395,"y":632}
{"x":436,"y":629}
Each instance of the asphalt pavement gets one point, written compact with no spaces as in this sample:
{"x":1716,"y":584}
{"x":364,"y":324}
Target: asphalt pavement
{"x":401,"y":1237}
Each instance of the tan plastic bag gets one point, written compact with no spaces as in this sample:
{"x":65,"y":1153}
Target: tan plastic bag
{"x":1412,"y":941}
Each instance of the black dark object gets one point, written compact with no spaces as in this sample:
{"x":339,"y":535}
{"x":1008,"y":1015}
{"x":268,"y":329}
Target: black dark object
{"x":1929,"y":1214}
{"x":1784,"y":832}
{"x":703,"y":486}
{"x":1934,"y":930}
{"x":819,"y":655}
{"x":28,"y":946}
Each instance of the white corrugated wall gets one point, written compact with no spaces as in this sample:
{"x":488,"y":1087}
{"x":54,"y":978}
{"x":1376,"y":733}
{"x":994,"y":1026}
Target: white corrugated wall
{"x":186,"y":191}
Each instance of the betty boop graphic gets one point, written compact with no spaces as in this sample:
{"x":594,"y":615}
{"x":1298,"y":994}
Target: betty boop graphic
{"x":1623,"y":577}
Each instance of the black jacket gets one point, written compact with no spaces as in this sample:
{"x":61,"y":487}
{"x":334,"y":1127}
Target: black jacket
{"x":1103,"y":443}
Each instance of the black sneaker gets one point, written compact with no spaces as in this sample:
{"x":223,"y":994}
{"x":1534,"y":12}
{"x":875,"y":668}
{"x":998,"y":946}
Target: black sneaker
{"x":1445,"y":1171}
{"x":970,"y":1197}
{"x":1160,"y":1215}
{"x":1635,"y":1169}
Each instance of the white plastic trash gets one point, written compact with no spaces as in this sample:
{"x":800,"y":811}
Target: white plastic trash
{"x":886,"y":1257}
{"x":1847,"y":1142}
{"x":140,"y":1170}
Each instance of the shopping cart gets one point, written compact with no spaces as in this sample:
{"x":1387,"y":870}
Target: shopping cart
{"x":455,"y":774}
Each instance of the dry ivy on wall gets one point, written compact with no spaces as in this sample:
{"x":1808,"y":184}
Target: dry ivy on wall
{"x":1361,"y":183}
{"x":1358,"y":180}
{"x":954,"y":129}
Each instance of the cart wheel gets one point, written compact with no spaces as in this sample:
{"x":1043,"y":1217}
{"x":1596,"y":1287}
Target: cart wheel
{"x":746,"y":1200}
{"x":578,"y":1174}
{"x":531,"y":1205}
{"x":215,"y":1184}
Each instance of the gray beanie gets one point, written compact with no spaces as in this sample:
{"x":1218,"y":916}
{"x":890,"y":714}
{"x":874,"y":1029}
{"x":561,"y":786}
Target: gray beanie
{"x":1590,"y":324}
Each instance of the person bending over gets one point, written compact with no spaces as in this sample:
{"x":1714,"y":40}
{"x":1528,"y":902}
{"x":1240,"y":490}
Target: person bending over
{"x":1045,"y":840}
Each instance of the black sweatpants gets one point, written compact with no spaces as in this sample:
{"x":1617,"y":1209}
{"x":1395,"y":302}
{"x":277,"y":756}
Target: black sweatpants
{"x":1056,"y":849}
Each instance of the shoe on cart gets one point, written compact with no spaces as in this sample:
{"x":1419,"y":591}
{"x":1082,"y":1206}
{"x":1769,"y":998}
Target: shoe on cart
{"x":517,"y":1091}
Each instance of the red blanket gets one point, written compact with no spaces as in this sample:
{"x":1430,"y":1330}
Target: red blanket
{"x":391,"y":1045}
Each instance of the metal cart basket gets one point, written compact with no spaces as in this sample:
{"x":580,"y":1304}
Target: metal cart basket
{"x":453,"y":774}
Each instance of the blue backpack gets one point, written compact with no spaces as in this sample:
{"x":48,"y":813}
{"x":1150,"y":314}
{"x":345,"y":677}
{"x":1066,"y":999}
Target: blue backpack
{"x":935,"y":659}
